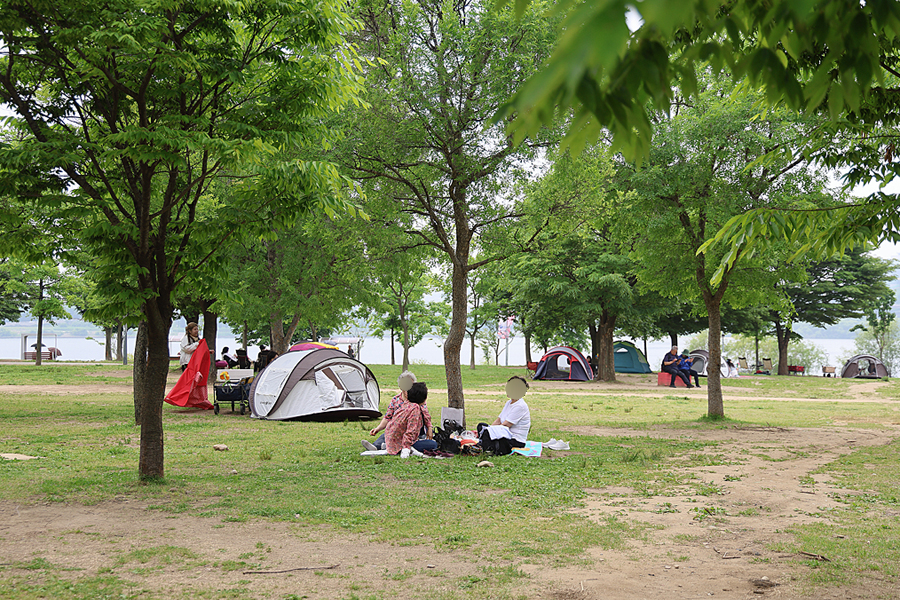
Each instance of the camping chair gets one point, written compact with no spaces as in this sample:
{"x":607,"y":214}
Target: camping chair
{"x":243,"y":359}
{"x":767,"y":367}
{"x":742,"y":363}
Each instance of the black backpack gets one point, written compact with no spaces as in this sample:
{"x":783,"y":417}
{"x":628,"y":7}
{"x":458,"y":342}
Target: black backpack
{"x":442,"y":436}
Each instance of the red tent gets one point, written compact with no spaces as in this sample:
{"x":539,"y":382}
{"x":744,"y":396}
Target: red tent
{"x":190,"y":391}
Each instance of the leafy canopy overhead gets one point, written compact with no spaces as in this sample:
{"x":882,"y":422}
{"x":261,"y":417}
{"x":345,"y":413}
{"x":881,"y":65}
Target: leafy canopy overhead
{"x":808,"y":54}
{"x":834,"y":57}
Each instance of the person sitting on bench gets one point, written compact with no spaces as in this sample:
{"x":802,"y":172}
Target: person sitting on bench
{"x":670,"y":364}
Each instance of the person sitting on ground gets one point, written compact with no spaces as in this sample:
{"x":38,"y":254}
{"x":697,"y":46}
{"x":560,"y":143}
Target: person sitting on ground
{"x":405,"y":381}
{"x":228,"y":358}
{"x":731,"y":369}
{"x":243,"y":360}
{"x":402,"y":434}
{"x":670,"y":364}
{"x":510,"y":429}
{"x":685,"y":364}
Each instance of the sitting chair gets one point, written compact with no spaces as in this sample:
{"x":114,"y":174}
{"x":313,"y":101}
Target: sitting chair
{"x":742,"y":363}
{"x":767,"y":367}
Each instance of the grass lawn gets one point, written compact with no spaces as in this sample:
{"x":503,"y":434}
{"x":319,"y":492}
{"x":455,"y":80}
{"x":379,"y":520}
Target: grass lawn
{"x":311,"y":474}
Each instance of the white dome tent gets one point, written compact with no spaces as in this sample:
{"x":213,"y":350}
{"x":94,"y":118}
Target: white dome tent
{"x":323,"y":384}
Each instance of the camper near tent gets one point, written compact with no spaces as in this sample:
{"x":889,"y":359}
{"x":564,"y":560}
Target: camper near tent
{"x":316,"y":385}
{"x":563,"y":363}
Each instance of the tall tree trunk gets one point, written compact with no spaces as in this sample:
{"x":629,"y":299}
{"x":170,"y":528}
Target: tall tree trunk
{"x":606,"y":361}
{"x":404,"y":325}
{"x":245,"y":335}
{"x":673,"y":338}
{"x":210,"y":329}
{"x":120,"y":347}
{"x":139,"y":368}
{"x":472,"y":351}
{"x":40,"y":341}
{"x":783,"y":335}
{"x":527,"y":341}
{"x":152,"y":387}
{"x":456,"y":335}
{"x":715,"y":403}
{"x":393,"y":359}
{"x":594,"y":332}
{"x":107,"y":346}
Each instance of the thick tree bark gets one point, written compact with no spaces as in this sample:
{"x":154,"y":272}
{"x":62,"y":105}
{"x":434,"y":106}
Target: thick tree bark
{"x":210,"y":329}
{"x":393,"y":357}
{"x":783,"y":335}
{"x":606,"y":361}
{"x":715,"y":403}
{"x":152,"y":388}
{"x":456,"y":335}
{"x":107,"y":345}
{"x":139,"y":368}
{"x":673,"y":339}
{"x":405,"y":325}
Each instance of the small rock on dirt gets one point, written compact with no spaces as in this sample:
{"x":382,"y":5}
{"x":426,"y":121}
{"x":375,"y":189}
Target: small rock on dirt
{"x":220,"y":447}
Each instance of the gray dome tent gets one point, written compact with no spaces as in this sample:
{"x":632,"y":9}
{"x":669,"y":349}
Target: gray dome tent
{"x":864,"y":366}
{"x":319,"y":385}
{"x":564,"y":363}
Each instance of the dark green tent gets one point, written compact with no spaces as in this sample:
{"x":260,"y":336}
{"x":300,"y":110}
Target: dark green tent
{"x":628,"y":359}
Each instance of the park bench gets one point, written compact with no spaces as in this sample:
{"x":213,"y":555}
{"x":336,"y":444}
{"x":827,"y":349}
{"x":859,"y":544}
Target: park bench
{"x":796,"y":369}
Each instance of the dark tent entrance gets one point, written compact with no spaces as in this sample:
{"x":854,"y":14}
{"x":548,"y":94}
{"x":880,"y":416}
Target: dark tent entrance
{"x":564,"y":364}
{"x":864,"y":366}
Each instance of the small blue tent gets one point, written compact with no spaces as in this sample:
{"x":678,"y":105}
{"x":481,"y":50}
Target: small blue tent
{"x":628,"y":359}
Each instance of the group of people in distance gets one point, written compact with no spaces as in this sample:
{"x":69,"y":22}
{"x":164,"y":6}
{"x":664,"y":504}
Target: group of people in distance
{"x":682,"y":367}
{"x":191,"y":341}
{"x":407,"y":424}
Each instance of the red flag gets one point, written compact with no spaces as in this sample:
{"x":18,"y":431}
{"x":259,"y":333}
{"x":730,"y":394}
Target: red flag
{"x":191,"y":391}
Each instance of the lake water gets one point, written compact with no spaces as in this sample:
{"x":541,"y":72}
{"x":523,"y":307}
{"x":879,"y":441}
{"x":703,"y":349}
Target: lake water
{"x":378,"y":351}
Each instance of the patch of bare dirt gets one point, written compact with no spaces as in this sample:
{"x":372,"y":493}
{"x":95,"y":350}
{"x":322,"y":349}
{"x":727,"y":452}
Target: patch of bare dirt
{"x":715,"y":543}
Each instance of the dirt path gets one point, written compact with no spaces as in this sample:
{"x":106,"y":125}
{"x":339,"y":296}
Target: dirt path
{"x":715,"y":545}
{"x":698,"y":546}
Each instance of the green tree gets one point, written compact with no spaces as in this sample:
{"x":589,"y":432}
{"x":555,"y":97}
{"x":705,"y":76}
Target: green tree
{"x":830,"y":57}
{"x":880,"y":332}
{"x":702,"y":171}
{"x":426,"y":142}
{"x":885,"y":344}
{"x":43,"y":289}
{"x":305,"y":277}
{"x":837,"y":288}
{"x":132,"y":109}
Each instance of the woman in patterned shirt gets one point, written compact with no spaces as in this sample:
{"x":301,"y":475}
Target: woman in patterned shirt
{"x":405,"y":381}
{"x":402,"y":434}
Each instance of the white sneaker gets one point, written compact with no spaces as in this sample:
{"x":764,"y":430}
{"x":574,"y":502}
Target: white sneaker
{"x":547,"y":444}
{"x":559,"y":445}
{"x":368,"y":445}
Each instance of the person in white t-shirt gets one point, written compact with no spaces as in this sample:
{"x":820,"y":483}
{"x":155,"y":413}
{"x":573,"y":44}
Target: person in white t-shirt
{"x":510,"y":429}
